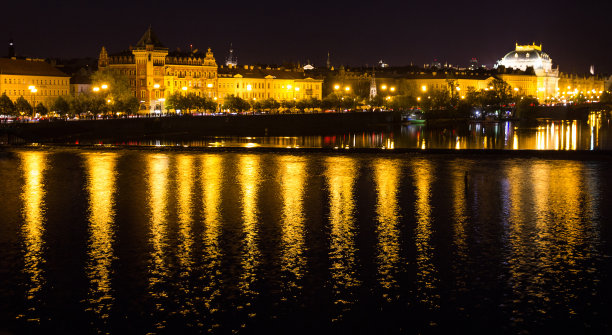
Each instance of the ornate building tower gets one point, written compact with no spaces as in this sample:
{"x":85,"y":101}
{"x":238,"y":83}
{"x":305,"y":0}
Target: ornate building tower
{"x":373,"y":85}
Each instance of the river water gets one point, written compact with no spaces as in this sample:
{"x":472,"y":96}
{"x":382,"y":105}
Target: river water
{"x":138,"y":242}
{"x":594,"y":133}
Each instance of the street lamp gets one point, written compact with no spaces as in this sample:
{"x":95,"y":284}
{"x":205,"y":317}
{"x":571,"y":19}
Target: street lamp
{"x":424,"y":88}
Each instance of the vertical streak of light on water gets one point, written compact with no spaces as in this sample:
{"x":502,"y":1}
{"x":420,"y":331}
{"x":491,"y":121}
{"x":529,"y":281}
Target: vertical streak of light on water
{"x":101,"y":188}
{"x":33,"y":164}
{"x":460,"y":217}
{"x":249,"y":178}
{"x":212,"y":183}
{"x":386,"y":177}
{"x":158,"y":166}
{"x":427,"y":274}
{"x":341,"y":174}
{"x":185,"y":180}
{"x":292,"y":175}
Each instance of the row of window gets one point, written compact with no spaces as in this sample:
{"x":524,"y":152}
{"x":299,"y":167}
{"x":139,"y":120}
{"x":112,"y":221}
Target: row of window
{"x":36,"y":81}
{"x":39,"y":93}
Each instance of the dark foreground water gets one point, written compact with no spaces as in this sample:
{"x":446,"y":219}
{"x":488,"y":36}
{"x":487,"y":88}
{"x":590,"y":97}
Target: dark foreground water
{"x":151,"y":242}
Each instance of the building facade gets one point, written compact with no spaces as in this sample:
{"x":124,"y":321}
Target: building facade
{"x":35,"y":80}
{"x":255,"y":83}
{"x":155,"y":73}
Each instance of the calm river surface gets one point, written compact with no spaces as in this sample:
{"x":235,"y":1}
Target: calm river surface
{"x":130,"y":241}
{"x":593,"y":133}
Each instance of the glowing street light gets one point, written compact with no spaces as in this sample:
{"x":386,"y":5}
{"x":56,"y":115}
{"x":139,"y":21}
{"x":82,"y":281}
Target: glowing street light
{"x":96,"y":89}
{"x":392,"y":89}
{"x":347,"y":88}
{"x":424,"y":88}
{"x":383,"y":87}
{"x":209,"y":85}
{"x":184,"y":88}
{"x":156,"y":86}
{"x":249,"y":87}
{"x":104,"y":86}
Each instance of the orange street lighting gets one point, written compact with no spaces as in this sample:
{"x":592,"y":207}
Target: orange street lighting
{"x":383,"y":87}
{"x":249,"y":87}
{"x":458,"y":88}
{"x":96,"y":89}
{"x":336,"y":87}
{"x":34,"y":90}
{"x":347,"y":88}
{"x":209,"y":85}
{"x":156,"y":86}
{"x":418,"y":98}
{"x":424,"y":88}
{"x":392,"y":89}
{"x":184,"y":88}
{"x":297,"y":88}
{"x":104,"y":86}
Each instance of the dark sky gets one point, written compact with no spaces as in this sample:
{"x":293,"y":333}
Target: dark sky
{"x":575,"y":34}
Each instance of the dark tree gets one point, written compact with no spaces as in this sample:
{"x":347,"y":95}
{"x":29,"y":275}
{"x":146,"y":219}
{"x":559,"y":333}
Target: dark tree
{"x":60,"y":105}
{"x":6,"y":105}
{"x":22,"y":106}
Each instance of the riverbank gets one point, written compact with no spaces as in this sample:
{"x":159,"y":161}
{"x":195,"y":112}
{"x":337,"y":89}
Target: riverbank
{"x":193,"y":126}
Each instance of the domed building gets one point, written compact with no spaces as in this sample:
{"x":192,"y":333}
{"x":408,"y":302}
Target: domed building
{"x":541,"y":83}
{"x":525,"y":56}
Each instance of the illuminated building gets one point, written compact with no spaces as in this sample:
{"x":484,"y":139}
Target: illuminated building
{"x":35,"y":80}
{"x":155,"y":73}
{"x":250,"y":82}
{"x":542,"y":82}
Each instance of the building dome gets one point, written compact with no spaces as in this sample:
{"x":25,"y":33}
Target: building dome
{"x":525,"y":56}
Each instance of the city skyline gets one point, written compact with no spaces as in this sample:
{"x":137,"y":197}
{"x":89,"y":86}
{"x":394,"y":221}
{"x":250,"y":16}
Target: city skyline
{"x":355,"y":34}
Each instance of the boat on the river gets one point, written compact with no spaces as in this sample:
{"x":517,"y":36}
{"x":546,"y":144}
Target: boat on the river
{"x":413,"y":116}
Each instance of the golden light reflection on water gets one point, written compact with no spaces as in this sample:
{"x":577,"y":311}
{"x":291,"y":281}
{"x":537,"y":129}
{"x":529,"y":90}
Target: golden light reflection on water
{"x":460,"y":186}
{"x":340,"y":174}
{"x":158,"y":166}
{"x":594,"y":123}
{"x":185,"y":176}
{"x":386,"y":177}
{"x":549,"y":260}
{"x":557,"y":135}
{"x":249,"y":177}
{"x":212,"y":183}
{"x":33,"y":165}
{"x":292,"y":176}
{"x":427,"y":280}
{"x":101,"y":188}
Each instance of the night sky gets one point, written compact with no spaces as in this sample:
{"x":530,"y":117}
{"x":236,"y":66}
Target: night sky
{"x":575,"y":34}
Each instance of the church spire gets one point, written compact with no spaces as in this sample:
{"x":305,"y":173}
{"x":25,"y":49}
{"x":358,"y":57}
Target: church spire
{"x":328,"y":61}
{"x":373,"y":85}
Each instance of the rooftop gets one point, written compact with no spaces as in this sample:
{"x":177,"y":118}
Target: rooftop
{"x":29,"y":68}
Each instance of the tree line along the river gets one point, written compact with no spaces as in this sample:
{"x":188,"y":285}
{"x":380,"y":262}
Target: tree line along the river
{"x":117,"y":98}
